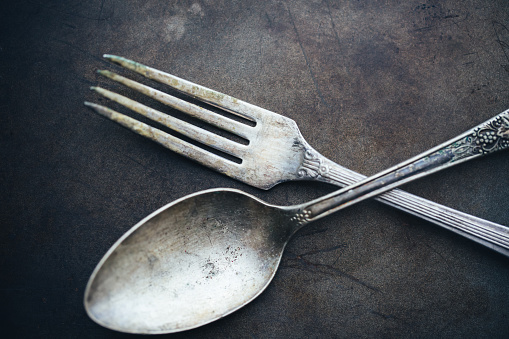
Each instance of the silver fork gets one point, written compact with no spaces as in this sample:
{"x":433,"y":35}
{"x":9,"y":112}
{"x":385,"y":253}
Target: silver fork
{"x":276,"y":151}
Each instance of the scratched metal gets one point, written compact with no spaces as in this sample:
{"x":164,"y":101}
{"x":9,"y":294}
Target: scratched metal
{"x":206,"y":255}
{"x":369,"y":84}
{"x":276,"y":151}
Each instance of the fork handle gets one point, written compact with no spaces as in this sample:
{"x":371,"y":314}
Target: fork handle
{"x":484,"y":232}
{"x":487,"y":137}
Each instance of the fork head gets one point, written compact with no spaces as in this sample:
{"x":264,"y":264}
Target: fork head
{"x":274,"y":149}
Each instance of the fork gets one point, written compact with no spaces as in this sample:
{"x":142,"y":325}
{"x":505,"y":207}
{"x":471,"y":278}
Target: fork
{"x":276,"y":151}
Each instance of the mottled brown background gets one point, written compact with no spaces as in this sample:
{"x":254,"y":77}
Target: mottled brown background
{"x":369,"y":83}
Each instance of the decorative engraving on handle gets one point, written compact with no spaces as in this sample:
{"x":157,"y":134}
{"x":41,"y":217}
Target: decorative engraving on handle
{"x":490,"y":137}
{"x":312,"y":166}
{"x":301,"y":218}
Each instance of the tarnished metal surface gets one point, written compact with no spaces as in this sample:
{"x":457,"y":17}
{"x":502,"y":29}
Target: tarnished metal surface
{"x":369,"y":83}
{"x":277,"y":152}
{"x":206,"y":255}
{"x":189,"y":263}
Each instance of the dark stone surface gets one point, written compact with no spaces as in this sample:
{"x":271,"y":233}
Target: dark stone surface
{"x":370,"y":83}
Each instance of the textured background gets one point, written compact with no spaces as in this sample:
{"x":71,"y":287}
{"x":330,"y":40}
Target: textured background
{"x":370,"y":83}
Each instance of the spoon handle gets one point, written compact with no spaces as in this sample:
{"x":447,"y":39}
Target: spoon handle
{"x":488,"y":137}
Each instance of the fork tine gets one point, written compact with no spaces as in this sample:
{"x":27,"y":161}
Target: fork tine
{"x":195,"y":111}
{"x":182,"y":127}
{"x":223,"y":101}
{"x":175,"y":144}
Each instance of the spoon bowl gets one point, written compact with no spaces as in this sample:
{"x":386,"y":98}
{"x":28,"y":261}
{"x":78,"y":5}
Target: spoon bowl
{"x":189,"y":263}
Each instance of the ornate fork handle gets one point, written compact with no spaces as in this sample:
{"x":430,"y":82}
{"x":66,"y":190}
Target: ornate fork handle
{"x":486,"y":138}
{"x":275,"y":134}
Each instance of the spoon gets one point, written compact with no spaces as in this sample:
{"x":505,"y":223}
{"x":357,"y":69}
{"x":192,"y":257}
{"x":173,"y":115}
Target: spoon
{"x":208,"y":254}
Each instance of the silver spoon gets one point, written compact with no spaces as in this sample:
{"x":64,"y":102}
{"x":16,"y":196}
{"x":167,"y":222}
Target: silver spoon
{"x":206,"y":255}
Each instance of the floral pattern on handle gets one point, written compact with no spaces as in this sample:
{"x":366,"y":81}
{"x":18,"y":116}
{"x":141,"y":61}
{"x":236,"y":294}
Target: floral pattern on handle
{"x":312,"y":166}
{"x":490,"y":137}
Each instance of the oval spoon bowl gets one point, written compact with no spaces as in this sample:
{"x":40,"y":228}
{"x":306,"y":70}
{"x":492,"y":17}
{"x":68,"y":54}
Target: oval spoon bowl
{"x":185,"y":268}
